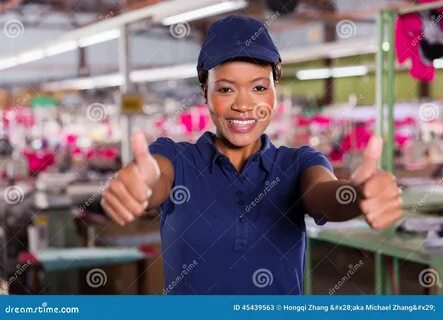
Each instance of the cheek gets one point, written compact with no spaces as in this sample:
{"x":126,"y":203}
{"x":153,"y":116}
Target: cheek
{"x":218,"y":106}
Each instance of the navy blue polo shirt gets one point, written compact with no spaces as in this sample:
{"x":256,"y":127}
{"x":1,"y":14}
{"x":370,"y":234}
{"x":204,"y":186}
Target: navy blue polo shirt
{"x":229,"y":232}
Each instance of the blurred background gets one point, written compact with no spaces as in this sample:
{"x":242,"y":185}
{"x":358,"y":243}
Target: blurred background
{"x":77,"y":77}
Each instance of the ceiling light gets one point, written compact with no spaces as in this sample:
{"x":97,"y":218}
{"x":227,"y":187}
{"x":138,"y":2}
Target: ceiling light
{"x":438,"y":63}
{"x":30,"y":56}
{"x":60,"y":48}
{"x":164,"y":73}
{"x":8,"y":63}
{"x":99,"y":38}
{"x":324,"y":73}
{"x":204,"y":12}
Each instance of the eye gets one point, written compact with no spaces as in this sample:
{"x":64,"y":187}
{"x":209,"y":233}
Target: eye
{"x":260,"y":88}
{"x":225,"y":90}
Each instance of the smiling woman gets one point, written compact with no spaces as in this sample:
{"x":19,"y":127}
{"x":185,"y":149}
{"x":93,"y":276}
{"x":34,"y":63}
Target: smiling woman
{"x":233,"y":204}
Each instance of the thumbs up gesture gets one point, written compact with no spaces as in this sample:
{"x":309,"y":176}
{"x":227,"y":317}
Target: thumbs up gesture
{"x":127,"y":196}
{"x":380,"y":196}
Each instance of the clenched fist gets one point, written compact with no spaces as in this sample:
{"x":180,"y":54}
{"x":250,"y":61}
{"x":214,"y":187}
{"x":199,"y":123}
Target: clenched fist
{"x":128,"y":195}
{"x":380,"y":202}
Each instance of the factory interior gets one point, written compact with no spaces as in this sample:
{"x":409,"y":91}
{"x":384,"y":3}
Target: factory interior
{"x":77,"y":78}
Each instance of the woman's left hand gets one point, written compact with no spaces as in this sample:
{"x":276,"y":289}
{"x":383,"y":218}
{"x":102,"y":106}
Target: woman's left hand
{"x":379,"y":199}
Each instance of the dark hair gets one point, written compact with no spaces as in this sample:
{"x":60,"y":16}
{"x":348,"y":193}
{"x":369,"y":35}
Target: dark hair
{"x":276,"y":70}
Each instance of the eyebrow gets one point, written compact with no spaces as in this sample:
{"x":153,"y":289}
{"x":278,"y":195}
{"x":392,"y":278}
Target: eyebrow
{"x":231,"y":81}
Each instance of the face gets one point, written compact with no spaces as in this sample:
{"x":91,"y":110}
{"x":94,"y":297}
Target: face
{"x":241,"y":99}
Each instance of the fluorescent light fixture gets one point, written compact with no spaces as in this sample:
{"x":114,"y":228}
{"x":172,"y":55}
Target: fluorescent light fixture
{"x":60,"y":48}
{"x":110,"y":80}
{"x":438,"y":63}
{"x":165,"y":73}
{"x":29,"y":56}
{"x":99,"y":38}
{"x":8,"y":63}
{"x":325,"y":73}
{"x":204,"y":12}
{"x":313,"y":74}
{"x":182,"y":71}
{"x":349,"y":71}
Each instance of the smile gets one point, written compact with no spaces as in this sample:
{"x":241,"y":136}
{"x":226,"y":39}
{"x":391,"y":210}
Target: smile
{"x":241,"y":122}
{"x":241,"y":125}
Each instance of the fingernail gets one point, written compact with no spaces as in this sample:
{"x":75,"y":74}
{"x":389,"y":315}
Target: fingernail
{"x":145,"y":204}
{"x":149,"y":193}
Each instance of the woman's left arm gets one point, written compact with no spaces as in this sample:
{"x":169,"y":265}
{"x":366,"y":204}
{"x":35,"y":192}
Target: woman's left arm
{"x":370,"y":192}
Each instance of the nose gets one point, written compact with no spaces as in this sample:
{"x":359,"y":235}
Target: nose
{"x":243,"y":102}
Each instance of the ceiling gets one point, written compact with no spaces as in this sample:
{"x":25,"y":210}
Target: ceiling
{"x":312,"y":23}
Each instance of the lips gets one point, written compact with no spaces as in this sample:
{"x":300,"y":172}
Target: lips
{"x":241,"y":125}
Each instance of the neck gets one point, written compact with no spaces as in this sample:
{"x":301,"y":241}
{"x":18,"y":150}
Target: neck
{"x":237,"y":155}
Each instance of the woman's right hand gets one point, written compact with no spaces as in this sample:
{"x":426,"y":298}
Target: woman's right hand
{"x":128,"y":195}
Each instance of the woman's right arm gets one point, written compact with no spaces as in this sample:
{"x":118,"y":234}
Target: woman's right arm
{"x":141,"y":185}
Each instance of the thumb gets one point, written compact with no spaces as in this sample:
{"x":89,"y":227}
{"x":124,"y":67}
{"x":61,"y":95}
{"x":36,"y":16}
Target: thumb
{"x":369,"y":164}
{"x":145,"y":163}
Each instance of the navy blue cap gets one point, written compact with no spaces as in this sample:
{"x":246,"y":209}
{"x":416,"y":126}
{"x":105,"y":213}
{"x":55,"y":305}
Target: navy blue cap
{"x":236,"y":37}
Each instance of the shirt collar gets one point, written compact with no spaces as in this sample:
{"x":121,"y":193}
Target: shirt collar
{"x":210,"y":153}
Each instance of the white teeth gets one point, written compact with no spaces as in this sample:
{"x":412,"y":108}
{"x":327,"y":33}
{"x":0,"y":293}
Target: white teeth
{"x":241,"y":122}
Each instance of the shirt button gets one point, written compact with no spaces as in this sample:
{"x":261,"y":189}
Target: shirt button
{"x":239,"y":192}
{"x":241,"y":202}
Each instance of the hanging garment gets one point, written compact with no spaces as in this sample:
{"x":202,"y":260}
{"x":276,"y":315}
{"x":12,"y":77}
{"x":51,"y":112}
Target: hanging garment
{"x":419,"y":38}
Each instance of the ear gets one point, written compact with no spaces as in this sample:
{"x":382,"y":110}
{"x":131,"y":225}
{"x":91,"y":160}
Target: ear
{"x":204,"y":91}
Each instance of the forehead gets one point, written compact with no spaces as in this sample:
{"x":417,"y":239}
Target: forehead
{"x":240,"y":69}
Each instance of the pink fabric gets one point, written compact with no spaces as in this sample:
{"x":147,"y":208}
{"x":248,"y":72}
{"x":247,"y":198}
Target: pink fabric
{"x":303,"y":121}
{"x":321,"y":120}
{"x":201,"y":121}
{"x":360,"y":135}
{"x":40,"y":160}
{"x":408,"y":34}
{"x":408,"y":30}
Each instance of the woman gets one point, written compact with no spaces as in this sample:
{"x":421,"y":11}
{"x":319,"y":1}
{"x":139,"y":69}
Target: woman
{"x":232,"y":204}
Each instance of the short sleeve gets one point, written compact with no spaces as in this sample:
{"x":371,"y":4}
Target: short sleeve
{"x":309,"y":157}
{"x":165,"y":147}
